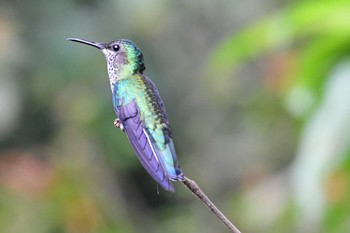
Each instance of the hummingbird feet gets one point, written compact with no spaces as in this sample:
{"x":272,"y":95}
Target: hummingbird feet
{"x":118,"y":124}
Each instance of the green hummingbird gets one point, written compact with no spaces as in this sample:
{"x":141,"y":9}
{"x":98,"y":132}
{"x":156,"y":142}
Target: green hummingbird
{"x":140,"y":110}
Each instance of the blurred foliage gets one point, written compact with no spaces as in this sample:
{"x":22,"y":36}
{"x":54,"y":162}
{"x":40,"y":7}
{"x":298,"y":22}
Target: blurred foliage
{"x":300,"y":46}
{"x":257,"y":95}
{"x":310,"y":37}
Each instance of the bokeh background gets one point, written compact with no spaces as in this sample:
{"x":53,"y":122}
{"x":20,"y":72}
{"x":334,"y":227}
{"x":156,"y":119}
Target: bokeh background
{"x":257,"y":92}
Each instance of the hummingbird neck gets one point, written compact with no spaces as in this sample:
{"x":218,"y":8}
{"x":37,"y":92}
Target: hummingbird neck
{"x":121,"y":71}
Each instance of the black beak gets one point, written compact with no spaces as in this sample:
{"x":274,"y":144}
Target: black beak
{"x":98,"y":45}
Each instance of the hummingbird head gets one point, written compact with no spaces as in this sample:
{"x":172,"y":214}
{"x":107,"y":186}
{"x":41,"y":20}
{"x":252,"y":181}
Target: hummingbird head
{"x":123,"y":57}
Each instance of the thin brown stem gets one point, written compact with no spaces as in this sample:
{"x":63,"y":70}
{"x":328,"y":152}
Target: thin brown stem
{"x":194,"y":188}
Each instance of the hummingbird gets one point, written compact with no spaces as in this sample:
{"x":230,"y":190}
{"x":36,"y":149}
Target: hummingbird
{"x":140,"y":110}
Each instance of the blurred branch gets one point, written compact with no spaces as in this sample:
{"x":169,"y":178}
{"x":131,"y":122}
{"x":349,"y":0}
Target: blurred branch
{"x":194,"y":188}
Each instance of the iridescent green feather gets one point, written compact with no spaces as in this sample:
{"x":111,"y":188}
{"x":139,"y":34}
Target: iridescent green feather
{"x":136,"y":88}
{"x":152,"y":115}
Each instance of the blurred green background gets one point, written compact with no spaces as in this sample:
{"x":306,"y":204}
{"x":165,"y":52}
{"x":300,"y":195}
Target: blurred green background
{"x":257,"y":92}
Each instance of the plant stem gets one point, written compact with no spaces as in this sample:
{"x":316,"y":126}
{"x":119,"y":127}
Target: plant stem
{"x":194,"y":188}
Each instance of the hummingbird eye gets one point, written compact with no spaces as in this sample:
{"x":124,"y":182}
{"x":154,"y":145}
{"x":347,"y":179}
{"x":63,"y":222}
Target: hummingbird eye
{"x":115,"y":47}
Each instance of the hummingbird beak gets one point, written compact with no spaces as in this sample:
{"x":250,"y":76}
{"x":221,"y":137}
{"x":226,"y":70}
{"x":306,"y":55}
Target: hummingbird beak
{"x":100,"y":46}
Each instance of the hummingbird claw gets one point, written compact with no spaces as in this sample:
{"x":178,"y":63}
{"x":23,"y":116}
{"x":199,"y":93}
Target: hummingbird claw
{"x":118,"y":124}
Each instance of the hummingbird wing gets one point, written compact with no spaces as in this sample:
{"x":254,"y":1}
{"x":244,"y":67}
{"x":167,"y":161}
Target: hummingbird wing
{"x":129,"y":115}
{"x":148,"y":130}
